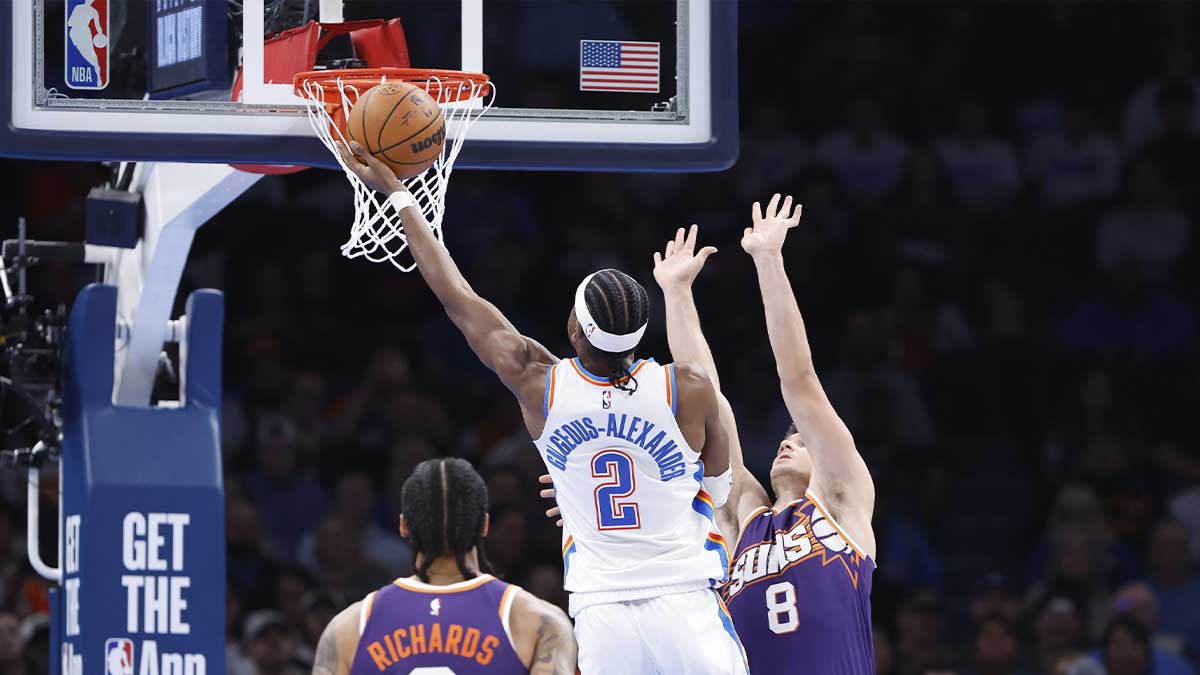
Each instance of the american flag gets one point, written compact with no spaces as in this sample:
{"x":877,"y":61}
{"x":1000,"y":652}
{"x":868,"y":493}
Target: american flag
{"x":608,"y":65}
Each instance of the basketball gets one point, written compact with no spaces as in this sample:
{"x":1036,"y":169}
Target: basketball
{"x":100,"y":41}
{"x":400,"y":124}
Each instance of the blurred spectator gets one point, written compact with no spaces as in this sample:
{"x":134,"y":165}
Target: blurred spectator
{"x":236,"y":660}
{"x":508,"y":543}
{"x":772,"y":152}
{"x":923,"y":213}
{"x":925,"y":328}
{"x":269,"y":644}
{"x":863,"y":366}
{"x":1143,"y":118}
{"x":920,"y":643}
{"x":1076,"y":164}
{"x":35,"y":640}
{"x":994,"y":596}
{"x":290,"y":500}
{"x":865,"y":154}
{"x":291,"y":583}
{"x":1172,"y":573}
{"x":12,"y":655}
{"x":884,"y":653}
{"x":1077,"y":508}
{"x":1177,"y":149}
{"x":1137,"y":601}
{"x":1079,"y":569}
{"x":997,"y":649}
{"x":1058,"y":631}
{"x":546,"y":582}
{"x":247,"y":557}
{"x":356,"y":506}
{"x":1126,"y":648}
{"x":320,"y":606}
{"x":983,"y":168}
{"x":339,"y":560}
{"x":1146,"y":230}
{"x":305,"y":406}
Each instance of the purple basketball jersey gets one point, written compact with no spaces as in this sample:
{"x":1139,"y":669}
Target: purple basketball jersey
{"x":800,"y":594}
{"x":463,"y":627}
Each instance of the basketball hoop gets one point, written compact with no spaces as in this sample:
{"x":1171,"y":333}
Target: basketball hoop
{"x":377,"y":233}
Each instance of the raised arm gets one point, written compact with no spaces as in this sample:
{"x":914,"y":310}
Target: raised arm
{"x":675,"y":270}
{"x":840,"y":476}
{"x":515,"y":358}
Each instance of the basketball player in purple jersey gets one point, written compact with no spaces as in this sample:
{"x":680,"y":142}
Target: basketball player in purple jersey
{"x":800,"y":584}
{"x":451,"y":617}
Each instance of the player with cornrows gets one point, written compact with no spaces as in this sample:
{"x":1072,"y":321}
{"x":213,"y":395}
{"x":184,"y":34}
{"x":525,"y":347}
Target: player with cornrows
{"x":452,"y":616}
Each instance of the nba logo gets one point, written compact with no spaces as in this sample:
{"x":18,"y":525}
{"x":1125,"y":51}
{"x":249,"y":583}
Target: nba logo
{"x":86,"y":64}
{"x":118,"y":656}
{"x":606,"y":399}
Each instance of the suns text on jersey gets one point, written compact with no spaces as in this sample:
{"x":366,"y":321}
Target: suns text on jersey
{"x":401,"y":643}
{"x":662,"y":449}
{"x":802,"y":541}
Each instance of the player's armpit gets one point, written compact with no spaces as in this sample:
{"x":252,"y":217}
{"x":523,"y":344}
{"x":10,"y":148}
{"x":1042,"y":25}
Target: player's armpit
{"x":544,"y":637}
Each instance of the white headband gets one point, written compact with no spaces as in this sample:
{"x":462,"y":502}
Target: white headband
{"x":600,"y":339}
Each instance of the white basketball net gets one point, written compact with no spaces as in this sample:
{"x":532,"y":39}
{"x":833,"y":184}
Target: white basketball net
{"x":377,"y":233}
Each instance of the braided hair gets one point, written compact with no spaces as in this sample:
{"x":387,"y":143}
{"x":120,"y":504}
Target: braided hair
{"x":444,"y":503}
{"x":618,"y":304}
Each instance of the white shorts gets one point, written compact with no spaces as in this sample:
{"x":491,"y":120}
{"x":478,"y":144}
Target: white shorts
{"x":665,"y":635}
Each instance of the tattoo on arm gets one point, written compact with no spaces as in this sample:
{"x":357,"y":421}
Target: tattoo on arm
{"x":556,"y":651}
{"x":326,"y":660}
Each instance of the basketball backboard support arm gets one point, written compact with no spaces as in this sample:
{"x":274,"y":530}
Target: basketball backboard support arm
{"x":178,"y":199}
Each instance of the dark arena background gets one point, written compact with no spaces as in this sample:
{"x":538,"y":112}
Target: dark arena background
{"x":998,"y":267}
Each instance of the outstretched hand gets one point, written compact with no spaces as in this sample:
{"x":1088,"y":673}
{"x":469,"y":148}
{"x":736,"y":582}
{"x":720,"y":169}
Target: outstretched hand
{"x":369,"y":168}
{"x":679,"y":264}
{"x":770,"y":228}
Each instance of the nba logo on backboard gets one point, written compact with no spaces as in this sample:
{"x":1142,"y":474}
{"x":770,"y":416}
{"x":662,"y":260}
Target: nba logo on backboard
{"x":86,"y":44}
{"x":606,"y":399}
{"x":118,"y":656}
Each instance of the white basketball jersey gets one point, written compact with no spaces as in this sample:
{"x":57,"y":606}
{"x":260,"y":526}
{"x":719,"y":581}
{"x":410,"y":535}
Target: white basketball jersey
{"x":636,"y":522}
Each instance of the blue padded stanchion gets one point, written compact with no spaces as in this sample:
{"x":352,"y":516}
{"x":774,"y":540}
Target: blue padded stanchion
{"x":143,"y":565}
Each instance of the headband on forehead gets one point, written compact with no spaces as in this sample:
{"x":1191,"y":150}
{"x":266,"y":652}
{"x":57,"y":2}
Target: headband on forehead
{"x":601,"y":339}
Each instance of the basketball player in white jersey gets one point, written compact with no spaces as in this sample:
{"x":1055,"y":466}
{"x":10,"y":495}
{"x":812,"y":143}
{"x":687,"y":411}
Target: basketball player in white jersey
{"x":636,"y":449}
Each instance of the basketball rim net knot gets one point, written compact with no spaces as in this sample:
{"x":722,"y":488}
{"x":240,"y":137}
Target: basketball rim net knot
{"x":377,"y":233}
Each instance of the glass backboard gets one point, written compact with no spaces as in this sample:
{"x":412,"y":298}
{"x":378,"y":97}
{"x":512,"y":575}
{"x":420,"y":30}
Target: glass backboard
{"x":580,"y":84}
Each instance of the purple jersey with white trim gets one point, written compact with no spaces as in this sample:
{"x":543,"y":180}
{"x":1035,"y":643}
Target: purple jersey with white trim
{"x":462,"y":627}
{"x":800,"y":594}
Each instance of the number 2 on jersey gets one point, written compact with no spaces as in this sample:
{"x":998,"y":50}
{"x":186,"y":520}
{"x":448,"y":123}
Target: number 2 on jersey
{"x":616,"y":468}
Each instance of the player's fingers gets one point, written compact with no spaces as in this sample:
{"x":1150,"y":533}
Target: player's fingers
{"x":657,"y":259}
{"x":670,"y":249}
{"x":749,"y":231}
{"x":705,"y":252}
{"x":786,"y":211}
{"x":552,"y":513}
{"x":558,"y":522}
{"x":545,"y":479}
{"x":773,"y":207}
{"x":680,"y":239}
{"x":691,"y":237}
{"x":756,"y":215}
{"x":548,"y":493}
{"x":795,"y":220}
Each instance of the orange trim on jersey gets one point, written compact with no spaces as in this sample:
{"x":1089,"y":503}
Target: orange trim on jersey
{"x":445,"y":590}
{"x":833,"y":523}
{"x":505,"y":599}
{"x":670,"y":389}
{"x":370,"y":602}
{"x":590,"y":379}
{"x":550,"y":391}
{"x":569,"y":543}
